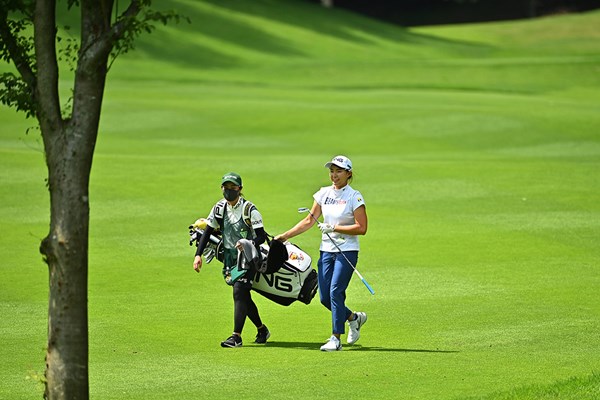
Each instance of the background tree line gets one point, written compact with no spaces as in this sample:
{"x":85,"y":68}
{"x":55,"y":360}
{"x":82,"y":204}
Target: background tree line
{"x":434,"y":12}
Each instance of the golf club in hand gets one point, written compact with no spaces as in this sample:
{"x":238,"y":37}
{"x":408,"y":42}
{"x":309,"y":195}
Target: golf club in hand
{"x":303,"y":210}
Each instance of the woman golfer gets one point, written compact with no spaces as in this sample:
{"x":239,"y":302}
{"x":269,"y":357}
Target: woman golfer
{"x":237,"y":218}
{"x":345,"y":217}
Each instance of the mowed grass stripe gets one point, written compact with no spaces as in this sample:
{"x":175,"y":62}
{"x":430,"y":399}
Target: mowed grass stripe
{"x":475,"y":146}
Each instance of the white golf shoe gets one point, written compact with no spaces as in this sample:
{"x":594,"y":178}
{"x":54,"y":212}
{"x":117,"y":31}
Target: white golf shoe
{"x":333,"y":344}
{"x":354,"y":331}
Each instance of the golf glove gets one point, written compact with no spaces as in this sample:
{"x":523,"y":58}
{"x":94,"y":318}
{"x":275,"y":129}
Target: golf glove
{"x":326,"y":228}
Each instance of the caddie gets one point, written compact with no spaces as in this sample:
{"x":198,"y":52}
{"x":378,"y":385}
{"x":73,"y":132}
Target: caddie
{"x":236,"y":218}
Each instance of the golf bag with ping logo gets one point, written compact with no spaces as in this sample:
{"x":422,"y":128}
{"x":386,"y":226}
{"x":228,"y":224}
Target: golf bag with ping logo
{"x":293,"y":280}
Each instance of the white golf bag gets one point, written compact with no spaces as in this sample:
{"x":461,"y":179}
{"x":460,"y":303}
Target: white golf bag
{"x":294,"y":280}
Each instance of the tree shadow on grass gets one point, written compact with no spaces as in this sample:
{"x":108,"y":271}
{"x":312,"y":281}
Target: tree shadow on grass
{"x":339,"y":23}
{"x":315,"y":346}
{"x":196,"y":45}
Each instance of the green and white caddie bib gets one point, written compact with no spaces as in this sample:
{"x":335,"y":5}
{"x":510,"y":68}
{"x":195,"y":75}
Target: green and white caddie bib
{"x":235,"y":222}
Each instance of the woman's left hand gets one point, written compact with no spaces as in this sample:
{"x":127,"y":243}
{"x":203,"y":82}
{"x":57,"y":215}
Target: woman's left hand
{"x":326,"y":228}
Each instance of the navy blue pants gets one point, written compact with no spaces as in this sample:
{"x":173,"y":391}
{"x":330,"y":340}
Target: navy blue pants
{"x":334,"y":277}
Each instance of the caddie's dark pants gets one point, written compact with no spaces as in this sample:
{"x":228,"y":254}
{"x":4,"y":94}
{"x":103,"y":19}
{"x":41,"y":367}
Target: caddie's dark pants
{"x":244,"y":306}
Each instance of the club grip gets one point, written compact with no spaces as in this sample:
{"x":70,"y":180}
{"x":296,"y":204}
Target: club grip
{"x":368,"y":286}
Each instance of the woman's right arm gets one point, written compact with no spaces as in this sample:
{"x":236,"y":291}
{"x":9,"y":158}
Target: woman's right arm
{"x":302,"y":226}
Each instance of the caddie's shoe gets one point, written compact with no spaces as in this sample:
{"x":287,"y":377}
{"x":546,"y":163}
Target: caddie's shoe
{"x":262,"y":335}
{"x":333,"y":344}
{"x":232,"y":341}
{"x":354,"y":331}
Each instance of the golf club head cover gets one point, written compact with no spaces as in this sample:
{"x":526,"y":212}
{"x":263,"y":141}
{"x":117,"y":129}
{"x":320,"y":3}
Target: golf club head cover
{"x":277,"y":255}
{"x":248,"y":257}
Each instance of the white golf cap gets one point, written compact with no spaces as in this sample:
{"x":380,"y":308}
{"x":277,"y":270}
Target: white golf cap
{"x":341,"y":161}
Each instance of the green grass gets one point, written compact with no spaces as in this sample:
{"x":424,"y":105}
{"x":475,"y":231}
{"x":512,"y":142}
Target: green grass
{"x":570,"y":389}
{"x":476,"y":148}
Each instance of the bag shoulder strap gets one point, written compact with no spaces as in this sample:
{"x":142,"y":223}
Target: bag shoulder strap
{"x":248,"y":208}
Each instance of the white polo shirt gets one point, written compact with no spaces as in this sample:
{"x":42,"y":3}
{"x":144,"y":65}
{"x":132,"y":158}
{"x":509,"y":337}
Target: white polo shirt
{"x":337,"y":206}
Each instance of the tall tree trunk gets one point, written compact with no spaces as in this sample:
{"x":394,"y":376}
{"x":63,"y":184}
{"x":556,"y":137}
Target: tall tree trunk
{"x":66,"y":252}
{"x":69,"y":146}
{"x":69,"y":154}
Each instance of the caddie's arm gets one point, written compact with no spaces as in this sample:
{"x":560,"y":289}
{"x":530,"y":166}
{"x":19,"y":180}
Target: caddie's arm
{"x":197,"y":263}
{"x":204,"y":240}
{"x":261,"y":236}
{"x":201,"y":246}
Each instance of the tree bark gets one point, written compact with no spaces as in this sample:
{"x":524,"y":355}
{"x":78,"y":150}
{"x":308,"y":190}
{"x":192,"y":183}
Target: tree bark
{"x":66,"y":252}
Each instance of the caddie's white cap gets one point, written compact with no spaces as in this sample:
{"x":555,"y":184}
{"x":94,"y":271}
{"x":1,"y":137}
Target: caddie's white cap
{"x":341,"y":161}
